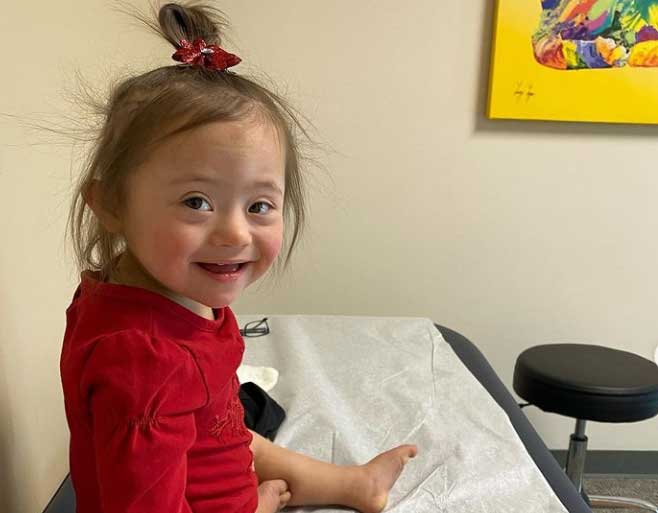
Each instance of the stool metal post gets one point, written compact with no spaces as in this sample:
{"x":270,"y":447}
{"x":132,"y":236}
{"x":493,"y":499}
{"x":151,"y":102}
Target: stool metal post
{"x":576,"y":456}
{"x":576,"y":469}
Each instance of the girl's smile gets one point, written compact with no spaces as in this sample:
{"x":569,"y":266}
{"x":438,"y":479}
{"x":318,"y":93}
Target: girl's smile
{"x":225,"y":273}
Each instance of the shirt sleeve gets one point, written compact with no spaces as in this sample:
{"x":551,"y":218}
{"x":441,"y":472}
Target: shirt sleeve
{"x":142,"y":392}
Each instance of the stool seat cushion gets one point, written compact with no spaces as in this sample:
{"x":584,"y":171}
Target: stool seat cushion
{"x":588,"y":382}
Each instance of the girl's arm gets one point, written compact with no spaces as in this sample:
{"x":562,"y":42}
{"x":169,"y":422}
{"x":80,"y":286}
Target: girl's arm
{"x":142,"y":427}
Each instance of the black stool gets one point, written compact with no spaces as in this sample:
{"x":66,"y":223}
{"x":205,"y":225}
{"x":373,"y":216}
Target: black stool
{"x":589,"y":382}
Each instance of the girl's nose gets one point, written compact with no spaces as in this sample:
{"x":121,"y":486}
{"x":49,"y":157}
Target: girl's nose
{"x":231,"y":230}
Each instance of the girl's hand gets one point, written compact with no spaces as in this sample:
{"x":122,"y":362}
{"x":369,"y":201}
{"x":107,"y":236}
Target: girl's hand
{"x":272,"y":496}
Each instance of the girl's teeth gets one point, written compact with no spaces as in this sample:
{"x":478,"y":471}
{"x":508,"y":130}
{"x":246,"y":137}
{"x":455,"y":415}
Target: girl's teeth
{"x":224,"y":268}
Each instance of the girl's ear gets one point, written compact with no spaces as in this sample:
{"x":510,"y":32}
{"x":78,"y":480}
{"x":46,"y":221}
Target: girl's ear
{"x":108,"y":219}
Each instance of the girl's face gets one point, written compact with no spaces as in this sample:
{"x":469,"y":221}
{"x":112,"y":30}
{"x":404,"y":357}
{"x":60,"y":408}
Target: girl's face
{"x":210,"y":195}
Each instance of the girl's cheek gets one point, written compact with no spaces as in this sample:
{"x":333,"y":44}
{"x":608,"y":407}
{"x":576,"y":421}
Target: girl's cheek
{"x":177,"y":243}
{"x":273,"y":246}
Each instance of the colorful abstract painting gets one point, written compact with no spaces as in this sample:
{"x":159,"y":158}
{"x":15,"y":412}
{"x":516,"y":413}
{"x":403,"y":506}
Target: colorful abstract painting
{"x":575,"y":60}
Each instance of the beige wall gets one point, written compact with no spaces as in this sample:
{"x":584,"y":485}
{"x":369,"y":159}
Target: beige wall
{"x":512,"y":233}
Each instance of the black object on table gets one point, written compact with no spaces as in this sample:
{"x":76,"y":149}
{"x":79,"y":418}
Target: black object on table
{"x":589,"y":382}
{"x":262,"y":414}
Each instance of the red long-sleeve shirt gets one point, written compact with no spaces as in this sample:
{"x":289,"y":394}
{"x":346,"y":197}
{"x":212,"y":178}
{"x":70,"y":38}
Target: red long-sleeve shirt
{"x":151,"y":398}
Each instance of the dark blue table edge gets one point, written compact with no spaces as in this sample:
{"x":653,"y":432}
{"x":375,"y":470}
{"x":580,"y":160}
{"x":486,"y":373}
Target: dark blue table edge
{"x":64,"y":499}
{"x":478,"y":365}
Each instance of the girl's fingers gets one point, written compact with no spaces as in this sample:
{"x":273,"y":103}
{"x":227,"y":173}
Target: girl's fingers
{"x":284,"y":498}
{"x":281,"y":485}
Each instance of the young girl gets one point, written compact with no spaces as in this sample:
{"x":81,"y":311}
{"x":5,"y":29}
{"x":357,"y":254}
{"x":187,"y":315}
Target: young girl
{"x":182,"y":207}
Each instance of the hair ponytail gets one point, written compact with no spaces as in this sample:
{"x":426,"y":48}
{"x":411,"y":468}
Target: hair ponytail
{"x":191,"y":22}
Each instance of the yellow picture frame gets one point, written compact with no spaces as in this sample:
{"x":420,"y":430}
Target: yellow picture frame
{"x":522,"y":88}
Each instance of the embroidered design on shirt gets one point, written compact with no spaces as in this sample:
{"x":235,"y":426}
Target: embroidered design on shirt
{"x":232,"y":424}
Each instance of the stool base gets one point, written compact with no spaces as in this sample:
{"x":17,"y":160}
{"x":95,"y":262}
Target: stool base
{"x":576,"y":468}
{"x":602,"y":501}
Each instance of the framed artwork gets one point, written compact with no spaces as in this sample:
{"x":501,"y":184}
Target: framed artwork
{"x":575,"y":60}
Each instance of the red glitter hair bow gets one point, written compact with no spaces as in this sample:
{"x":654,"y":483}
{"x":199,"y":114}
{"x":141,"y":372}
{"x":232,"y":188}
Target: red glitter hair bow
{"x":207,"y":56}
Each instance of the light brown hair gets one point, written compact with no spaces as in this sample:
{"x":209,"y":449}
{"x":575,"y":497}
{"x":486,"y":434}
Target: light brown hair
{"x":143,"y":110}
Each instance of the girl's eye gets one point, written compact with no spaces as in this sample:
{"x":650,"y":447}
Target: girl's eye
{"x":260,"y":211}
{"x":196,"y":203}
